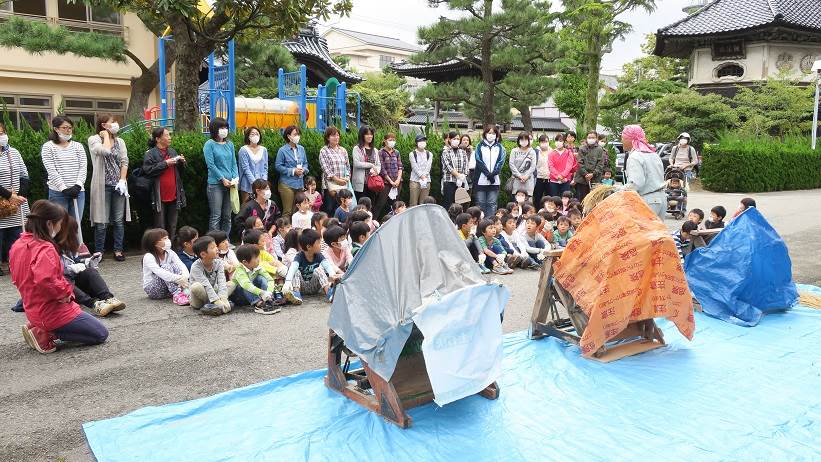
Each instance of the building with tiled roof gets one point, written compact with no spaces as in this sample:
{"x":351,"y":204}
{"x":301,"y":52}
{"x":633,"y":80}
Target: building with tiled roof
{"x":741,"y":42}
{"x":367,"y":52}
{"x":311,"y":50}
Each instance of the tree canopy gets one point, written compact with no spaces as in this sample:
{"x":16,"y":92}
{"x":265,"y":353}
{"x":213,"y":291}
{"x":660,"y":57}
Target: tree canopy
{"x":384,"y":100}
{"x":705,"y":117}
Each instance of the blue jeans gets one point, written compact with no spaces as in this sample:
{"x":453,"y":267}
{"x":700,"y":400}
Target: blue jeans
{"x":537,"y":244}
{"x":219,"y":204}
{"x":486,"y":199}
{"x":115,"y":202}
{"x":68,"y":203}
{"x":85,"y":329}
{"x":242,"y":297}
{"x":556,"y":189}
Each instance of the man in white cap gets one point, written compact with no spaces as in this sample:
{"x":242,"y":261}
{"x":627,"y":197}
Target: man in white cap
{"x":684,"y":156}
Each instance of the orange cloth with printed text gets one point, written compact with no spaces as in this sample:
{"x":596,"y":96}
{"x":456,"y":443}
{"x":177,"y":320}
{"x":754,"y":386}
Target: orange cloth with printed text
{"x":621,"y":266}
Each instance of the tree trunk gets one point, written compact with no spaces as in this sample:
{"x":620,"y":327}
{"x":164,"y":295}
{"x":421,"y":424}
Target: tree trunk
{"x":141,"y":88}
{"x":527,"y":118}
{"x":488,"y":114}
{"x":190,"y":56}
{"x":591,"y":107}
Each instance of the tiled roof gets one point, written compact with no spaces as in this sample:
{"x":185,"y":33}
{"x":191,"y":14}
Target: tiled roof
{"x":379,"y":40}
{"x":312,"y":50}
{"x":423,"y":116}
{"x":541,"y":124}
{"x":735,"y":15}
{"x":447,"y":71}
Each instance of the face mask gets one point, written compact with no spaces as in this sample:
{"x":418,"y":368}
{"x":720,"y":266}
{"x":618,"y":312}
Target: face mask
{"x":223,"y":133}
{"x":422,"y":144}
{"x":4,"y":140}
{"x":166,"y":245}
{"x":523,"y":143}
{"x":64,"y":137}
{"x":391,"y":143}
{"x":544,"y":146}
{"x":559,"y":144}
{"x":682,"y":141}
{"x":221,"y":253}
{"x":114,"y":128}
{"x":454,"y":143}
{"x":295,"y":139}
{"x":490,"y":137}
{"x":592,"y":141}
{"x":254,"y":139}
{"x":266,"y":194}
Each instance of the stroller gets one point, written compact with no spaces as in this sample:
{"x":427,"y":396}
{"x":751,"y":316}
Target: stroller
{"x":676,"y":190}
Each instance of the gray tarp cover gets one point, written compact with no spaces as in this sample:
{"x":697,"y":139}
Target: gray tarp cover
{"x":413,"y":259}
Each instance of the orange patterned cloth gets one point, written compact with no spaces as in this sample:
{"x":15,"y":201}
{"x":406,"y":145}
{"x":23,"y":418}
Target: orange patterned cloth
{"x":621,"y":266}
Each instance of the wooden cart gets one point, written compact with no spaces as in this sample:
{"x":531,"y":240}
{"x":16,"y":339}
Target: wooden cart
{"x":546,"y":320}
{"x":408,"y":387}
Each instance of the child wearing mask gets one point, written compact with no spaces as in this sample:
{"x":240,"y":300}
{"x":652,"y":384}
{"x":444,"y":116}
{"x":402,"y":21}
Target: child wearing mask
{"x":338,"y":251}
{"x":164,"y":274}
{"x":716,"y":220}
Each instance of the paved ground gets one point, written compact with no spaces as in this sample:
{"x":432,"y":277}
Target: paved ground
{"x":160,"y":353}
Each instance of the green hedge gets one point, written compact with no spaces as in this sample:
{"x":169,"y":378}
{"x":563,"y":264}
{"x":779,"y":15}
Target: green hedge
{"x":739,"y":164}
{"x":190,"y":144}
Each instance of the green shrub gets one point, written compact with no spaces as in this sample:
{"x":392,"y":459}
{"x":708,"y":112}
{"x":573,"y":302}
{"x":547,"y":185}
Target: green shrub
{"x":190,"y":144}
{"x":747,"y":164}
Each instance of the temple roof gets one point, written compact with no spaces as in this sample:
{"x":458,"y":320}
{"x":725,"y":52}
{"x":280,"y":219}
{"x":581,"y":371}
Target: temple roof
{"x":730,"y":18}
{"x":311,"y":50}
{"x":447,"y":71}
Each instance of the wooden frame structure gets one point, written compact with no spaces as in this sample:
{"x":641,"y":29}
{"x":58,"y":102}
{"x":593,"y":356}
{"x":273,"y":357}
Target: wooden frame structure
{"x":408,"y":387}
{"x":638,"y":337}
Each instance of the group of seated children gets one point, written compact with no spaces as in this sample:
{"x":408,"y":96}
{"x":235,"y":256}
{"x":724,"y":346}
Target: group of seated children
{"x":517,"y":236}
{"x":695,"y":221}
{"x":274,"y":266}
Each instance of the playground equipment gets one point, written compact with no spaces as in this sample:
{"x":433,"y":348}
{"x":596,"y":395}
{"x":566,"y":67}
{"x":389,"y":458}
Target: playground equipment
{"x":320,"y":107}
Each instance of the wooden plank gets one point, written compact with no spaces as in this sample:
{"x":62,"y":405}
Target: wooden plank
{"x":627,"y":349}
{"x":541,"y":306}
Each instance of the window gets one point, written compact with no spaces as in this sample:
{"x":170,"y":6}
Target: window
{"x":385,"y":60}
{"x":81,"y":17}
{"x":30,"y":7}
{"x":89,"y":109}
{"x":728,"y":49}
{"x":729,"y":70}
{"x":32,"y":109}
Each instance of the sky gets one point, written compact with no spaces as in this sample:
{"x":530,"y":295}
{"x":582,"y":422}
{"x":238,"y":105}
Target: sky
{"x":401,"y":18}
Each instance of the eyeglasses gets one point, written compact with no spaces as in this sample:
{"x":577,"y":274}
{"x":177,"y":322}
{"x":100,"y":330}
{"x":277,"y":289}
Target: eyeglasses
{"x":65,"y":127}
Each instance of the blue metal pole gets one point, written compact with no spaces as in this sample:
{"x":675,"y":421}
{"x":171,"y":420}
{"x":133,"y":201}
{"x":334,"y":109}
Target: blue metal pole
{"x":320,"y":107}
{"x":163,"y":84}
{"x":340,"y":110}
{"x":281,"y":83}
{"x":232,"y":114}
{"x":303,"y":94}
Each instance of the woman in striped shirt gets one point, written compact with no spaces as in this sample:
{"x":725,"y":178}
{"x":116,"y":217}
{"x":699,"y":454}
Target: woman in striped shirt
{"x":66,"y":164}
{"x":14,"y":185}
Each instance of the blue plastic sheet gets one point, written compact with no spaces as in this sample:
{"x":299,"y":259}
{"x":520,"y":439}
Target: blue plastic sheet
{"x":744,"y":273}
{"x":730,"y":394}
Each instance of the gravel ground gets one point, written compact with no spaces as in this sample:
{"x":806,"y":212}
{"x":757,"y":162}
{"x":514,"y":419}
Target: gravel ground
{"x":159,"y":353}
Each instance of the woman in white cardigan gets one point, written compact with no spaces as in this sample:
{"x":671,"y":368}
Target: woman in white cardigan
{"x":365,"y":163}
{"x":109,"y":190}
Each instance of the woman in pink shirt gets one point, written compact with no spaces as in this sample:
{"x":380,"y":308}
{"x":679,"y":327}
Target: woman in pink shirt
{"x":562,"y":164}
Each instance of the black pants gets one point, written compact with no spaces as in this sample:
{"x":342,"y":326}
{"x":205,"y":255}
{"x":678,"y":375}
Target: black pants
{"x":7,"y":238}
{"x":540,"y":190}
{"x":329,"y":203}
{"x":582,"y":190}
{"x":449,"y":193}
{"x":90,"y":286}
{"x":166,"y":218}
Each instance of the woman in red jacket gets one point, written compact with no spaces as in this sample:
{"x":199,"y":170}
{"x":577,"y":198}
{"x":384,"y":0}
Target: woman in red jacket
{"x":561,"y":163}
{"x":37,"y":272}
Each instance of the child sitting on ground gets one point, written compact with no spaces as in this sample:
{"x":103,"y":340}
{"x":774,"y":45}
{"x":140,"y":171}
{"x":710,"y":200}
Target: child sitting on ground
{"x":302,"y":217}
{"x":164,"y":274}
{"x":345,"y":198}
{"x":429,"y":200}
{"x":567,"y":196}
{"x":746,"y":203}
{"x":310,"y":273}
{"x":464,"y":224}
{"x":365,"y":204}
{"x":563,"y":233}
{"x":209,"y":288}
{"x":504,"y":232}
{"x":312,"y":194}
{"x":224,"y":252}
{"x":716,"y":220}
{"x":532,"y":241}
{"x":338,"y":251}
{"x":607,"y":178}
{"x":696,"y":216}
{"x":360,"y":232}
{"x":682,"y":238}
{"x":267,"y":262}
{"x":185,"y":245}
{"x":454,"y":211}
{"x":291,"y":246}
{"x":277,"y":243}
{"x":547,"y":227}
{"x":491,"y":248}
{"x":254,"y":285}
{"x":575,"y":217}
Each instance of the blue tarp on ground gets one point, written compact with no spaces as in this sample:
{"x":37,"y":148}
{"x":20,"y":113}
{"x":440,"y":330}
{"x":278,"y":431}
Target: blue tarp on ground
{"x":730,"y":394}
{"x":744,"y":273}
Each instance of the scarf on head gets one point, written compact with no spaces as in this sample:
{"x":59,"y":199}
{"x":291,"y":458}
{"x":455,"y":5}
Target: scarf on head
{"x":635,"y":134}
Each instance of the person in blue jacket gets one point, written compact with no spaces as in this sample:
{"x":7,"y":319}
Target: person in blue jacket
{"x":490,"y":157}
{"x":292,"y":165}
{"x":222,"y":175}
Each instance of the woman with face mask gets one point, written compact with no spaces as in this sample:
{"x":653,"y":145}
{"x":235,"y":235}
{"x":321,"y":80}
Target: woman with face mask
{"x":421,"y":161}
{"x":65,"y":162}
{"x":366,"y":164}
{"x":391,"y":162}
{"x":523,"y":166}
{"x":590,"y":167}
{"x":222,"y":175}
{"x":542,"y":170}
{"x":490,"y":157}
{"x":37,"y":272}
{"x":109,"y":190}
{"x":253,"y":162}
{"x":454,"y":167}
{"x":14,"y":188}
{"x":292,"y":165}
{"x":162,"y":164}
{"x":561,"y":163}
